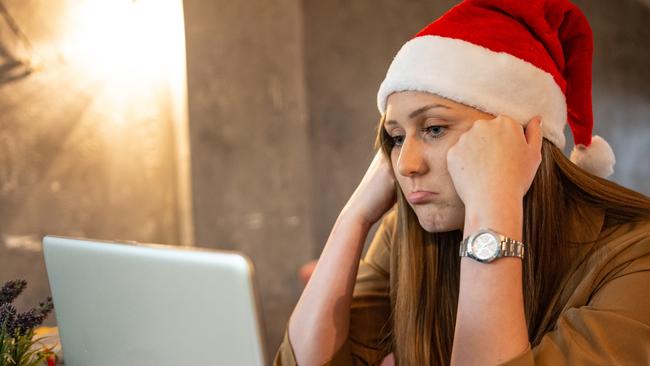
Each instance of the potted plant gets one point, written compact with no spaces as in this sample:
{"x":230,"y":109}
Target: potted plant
{"x":18,"y":346}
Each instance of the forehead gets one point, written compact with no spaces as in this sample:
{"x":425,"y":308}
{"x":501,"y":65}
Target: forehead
{"x":408,"y":104}
{"x":401,"y":104}
{"x":405,"y":106}
{"x":414,"y":96}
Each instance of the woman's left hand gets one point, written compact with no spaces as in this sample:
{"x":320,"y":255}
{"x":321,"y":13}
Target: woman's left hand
{"x":495,"y":161}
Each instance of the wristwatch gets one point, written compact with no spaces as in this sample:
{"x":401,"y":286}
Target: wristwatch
{"x":487,"y":245}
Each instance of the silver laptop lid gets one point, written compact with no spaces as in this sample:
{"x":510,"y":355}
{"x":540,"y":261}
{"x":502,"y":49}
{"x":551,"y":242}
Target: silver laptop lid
{"x":125,"y":304}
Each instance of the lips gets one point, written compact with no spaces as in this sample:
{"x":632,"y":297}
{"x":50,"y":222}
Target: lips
{"x":420,"y":197}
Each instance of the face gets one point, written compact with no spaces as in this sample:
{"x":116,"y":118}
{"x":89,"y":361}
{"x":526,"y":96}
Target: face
{"x":423,"y":127}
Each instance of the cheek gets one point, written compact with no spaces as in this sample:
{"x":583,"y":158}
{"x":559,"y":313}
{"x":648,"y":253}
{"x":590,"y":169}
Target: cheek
{"x":436,"y":158}
{"x":394,"y":157}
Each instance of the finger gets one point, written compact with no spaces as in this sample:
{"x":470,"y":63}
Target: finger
{"x":534,"y":133}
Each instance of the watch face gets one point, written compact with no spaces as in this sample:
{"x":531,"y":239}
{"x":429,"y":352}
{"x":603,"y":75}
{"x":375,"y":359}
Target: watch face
{"x":485,"y":247}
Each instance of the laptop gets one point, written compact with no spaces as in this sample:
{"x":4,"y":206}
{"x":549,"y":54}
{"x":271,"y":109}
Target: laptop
{"x":147,"y":304}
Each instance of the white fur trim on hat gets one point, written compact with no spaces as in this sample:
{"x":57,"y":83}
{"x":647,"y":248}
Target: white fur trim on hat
{"x":494,"y":82}
{"x":598,"y":158}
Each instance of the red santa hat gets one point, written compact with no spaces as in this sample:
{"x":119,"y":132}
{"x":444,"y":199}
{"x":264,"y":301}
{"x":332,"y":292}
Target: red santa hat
{"x":513,"y":57}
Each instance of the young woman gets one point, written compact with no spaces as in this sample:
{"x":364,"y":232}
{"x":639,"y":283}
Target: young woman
{"x":499,"y":249}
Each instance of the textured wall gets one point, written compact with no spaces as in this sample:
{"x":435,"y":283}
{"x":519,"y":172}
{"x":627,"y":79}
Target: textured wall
{"x":248,"y":131}
{"x":621,"y":90}
{"x":80,"y":154}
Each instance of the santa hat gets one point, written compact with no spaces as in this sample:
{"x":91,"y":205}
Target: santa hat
{"x":513,"y":57}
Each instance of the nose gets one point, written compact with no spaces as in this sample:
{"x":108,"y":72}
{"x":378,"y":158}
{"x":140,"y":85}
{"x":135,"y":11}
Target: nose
{"x":410,"y":161}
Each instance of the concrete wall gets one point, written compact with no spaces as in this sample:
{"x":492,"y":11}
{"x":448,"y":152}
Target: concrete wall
{"x":249,"y":142}
{"x":80,"y":154}
{"x":621,"y":89}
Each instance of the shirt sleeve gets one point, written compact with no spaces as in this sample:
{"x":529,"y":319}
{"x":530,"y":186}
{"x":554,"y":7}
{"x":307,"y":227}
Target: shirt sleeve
{"x":613,"y":328}
{"x":370,"y":310}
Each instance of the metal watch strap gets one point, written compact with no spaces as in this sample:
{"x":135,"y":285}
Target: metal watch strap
{"x":509,"y":247}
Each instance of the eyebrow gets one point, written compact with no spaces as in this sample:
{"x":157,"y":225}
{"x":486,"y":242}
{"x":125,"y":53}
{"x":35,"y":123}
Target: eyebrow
{"x":418,"y":111}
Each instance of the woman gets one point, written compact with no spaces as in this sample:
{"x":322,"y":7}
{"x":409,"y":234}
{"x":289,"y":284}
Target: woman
{"x":500,"y":250}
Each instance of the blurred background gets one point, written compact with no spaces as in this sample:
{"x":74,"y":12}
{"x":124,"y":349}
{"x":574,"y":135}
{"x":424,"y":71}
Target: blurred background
{"x":237,"y":125}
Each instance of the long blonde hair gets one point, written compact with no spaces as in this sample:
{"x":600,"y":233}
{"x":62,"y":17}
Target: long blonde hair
{"x":425,"y":267}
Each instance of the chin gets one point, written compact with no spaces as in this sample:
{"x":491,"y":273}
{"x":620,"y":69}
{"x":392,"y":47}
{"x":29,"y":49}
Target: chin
{"x":439,"y":222}
{"x":436,"y":227}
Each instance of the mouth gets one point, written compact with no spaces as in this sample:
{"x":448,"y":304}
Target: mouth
{"x":421,"y":197}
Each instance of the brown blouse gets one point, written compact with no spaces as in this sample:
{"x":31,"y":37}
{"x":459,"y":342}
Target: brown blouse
{"x":605,"y":318}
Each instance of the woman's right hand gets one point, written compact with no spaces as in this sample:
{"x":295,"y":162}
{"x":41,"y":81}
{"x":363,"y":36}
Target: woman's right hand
{"x":375,"y":194}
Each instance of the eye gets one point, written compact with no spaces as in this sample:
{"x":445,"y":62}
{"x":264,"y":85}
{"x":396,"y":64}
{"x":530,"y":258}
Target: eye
{"x":435,"y":131}
{"x":397,"y":140}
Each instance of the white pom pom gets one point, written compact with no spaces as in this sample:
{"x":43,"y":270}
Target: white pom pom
{"x":597,"y":159}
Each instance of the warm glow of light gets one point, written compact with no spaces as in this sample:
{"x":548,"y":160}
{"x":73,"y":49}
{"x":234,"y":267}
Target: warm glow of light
{"x":132,"y":53}
{"x":139,"y":39}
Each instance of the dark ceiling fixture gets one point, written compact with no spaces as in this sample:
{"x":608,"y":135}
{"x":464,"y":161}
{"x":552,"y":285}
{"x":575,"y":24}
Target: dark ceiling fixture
{"x":16,"y":55}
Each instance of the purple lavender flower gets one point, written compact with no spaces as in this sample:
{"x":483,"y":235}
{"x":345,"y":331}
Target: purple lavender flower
{"x":10,"y":291}
{"x":46,"y":307}
{"x":17,"y":343}
{"x":27,"y":321}
{"x":8,"y":318}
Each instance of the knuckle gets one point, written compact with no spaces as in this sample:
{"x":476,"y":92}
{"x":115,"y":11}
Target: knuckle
{"x":451,"y":153}
{"x":481,"y":123}
{"x":506,"y":118}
